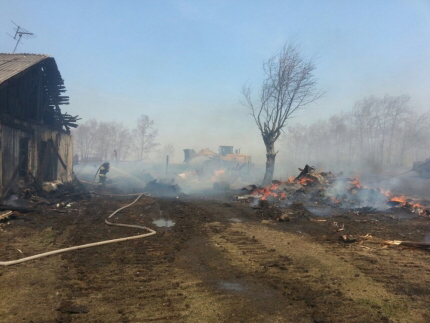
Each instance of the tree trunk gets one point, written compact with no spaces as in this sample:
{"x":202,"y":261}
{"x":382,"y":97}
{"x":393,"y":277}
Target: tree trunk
{"x":270,"y":163}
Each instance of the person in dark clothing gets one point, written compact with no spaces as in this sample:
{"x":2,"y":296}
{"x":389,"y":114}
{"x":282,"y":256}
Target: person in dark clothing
{"x":104,"y":169}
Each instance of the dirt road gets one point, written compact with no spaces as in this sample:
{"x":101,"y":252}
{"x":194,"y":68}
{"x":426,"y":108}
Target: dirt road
{"x":220,"y":262}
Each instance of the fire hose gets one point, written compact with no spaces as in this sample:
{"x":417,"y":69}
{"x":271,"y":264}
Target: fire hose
{"x":94,"y":244}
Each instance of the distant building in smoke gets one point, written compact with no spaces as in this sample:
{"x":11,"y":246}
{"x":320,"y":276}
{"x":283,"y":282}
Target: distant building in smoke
{"x":34,"y":134}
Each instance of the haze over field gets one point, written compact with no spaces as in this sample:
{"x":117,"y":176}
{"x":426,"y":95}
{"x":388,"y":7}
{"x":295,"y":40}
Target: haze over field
{"x":183,"y":63}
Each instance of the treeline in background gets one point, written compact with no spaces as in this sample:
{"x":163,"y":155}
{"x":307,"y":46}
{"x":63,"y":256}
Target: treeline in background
{"x":377,"y":133}
{"x":101,"y":140}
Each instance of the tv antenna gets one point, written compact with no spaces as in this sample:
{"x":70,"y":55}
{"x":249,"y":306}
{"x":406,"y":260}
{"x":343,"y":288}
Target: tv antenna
{"x":21,"y":33}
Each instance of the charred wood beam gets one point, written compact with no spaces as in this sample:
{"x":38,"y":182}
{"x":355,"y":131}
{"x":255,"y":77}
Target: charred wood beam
{"x":58,"y":155}
{"x":69,"y":121}
{"x":70,"y":117}
{"x":16,"y":208}
{"x":9,"y":121}
{"x":79,"y":183}
{"x":38,"y":186}
{"x":303,"y":172}
{"x":408,"y":244}
{"x":12,"y":178}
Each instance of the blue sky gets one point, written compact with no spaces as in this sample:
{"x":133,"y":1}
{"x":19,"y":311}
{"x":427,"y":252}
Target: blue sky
{"x":183,"y":63}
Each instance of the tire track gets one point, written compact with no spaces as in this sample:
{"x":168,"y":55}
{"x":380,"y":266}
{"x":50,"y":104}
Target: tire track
{"x":308,"y":289}
{"x":139,"y":276}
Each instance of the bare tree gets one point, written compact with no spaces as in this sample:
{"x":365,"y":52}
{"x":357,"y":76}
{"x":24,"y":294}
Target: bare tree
{"x":289,"y":85}
{"x":144,"y":137}
{"x":103,"y":139}
{"x":85,"y":138}
{"x":123,"y":143}
{"x":167,"y":150}
{"x":100,"y":139}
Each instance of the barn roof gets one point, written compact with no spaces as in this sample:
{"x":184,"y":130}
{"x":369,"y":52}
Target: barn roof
{"x":13,"y":64}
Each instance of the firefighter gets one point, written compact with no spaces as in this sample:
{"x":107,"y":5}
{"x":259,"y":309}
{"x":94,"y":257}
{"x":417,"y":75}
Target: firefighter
{"x":104,"y":169}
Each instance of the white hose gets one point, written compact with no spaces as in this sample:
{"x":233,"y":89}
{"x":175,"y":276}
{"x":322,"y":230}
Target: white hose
{"x":120,"y":195}
{"x":89,"y":245}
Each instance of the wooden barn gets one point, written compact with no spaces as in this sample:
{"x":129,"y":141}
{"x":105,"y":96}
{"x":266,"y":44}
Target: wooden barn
{"x":35,"y":140}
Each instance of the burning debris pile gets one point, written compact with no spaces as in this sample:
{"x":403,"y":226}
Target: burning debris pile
{"x":309,"y":184}
{"x":329,"y":189}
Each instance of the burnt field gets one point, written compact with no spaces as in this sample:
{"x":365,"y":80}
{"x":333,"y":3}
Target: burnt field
{"x":215,"y":260}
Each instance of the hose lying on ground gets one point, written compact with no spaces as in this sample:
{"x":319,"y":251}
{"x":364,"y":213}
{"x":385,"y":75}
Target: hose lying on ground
{"x":89,"y":245}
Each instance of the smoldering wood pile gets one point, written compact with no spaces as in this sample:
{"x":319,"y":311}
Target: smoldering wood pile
{"x":332,"y":189}
{"x":309,"y":183}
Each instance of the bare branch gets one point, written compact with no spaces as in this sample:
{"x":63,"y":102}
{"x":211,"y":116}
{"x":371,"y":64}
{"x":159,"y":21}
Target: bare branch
{"x":289,"y":85}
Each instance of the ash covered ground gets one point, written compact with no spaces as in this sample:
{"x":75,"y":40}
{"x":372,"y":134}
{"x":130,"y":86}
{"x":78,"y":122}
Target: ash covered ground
{"x":289,"y":252}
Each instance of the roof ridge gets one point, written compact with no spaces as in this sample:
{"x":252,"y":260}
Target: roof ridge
{"x":13,"y":64}
{"x":27,"y":54}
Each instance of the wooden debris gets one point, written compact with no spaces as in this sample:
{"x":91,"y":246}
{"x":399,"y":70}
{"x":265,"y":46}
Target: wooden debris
{"x":250,"y":188}
{"x":303,"y":172}
{"x":348,"y":238}
{"x":8,"y":187}
{"x":284,"y":218}
{"x":37,"y":186}
{"x":5,"y":215}
{"x":317,"y":220}
{"x":16,"y":208}
{"x":41,"y":199}
{"x":408,"y":244}
{"x":341,"y":228}
{"x":244,"y":197}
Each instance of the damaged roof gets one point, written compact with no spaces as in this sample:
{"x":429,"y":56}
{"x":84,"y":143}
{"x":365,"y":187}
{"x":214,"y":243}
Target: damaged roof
{"x":13,"y":64}
{"x":21,"y":72}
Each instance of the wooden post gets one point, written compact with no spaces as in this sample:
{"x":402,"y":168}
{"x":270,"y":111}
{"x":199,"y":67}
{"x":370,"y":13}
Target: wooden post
{"x":167,"y":163}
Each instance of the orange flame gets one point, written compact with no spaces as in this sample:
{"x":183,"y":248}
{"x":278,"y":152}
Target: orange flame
{"x":305,"y":181}
{"x":356,"y":183}
{"x":400,"y":199}
{"x":268,"y":191}
{"x":420,"y":209}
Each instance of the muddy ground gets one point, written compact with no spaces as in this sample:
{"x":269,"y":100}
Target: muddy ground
{"x":221,"y":261}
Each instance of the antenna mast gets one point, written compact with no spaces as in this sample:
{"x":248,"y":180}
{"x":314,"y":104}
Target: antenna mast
{"x":20,"y":33}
